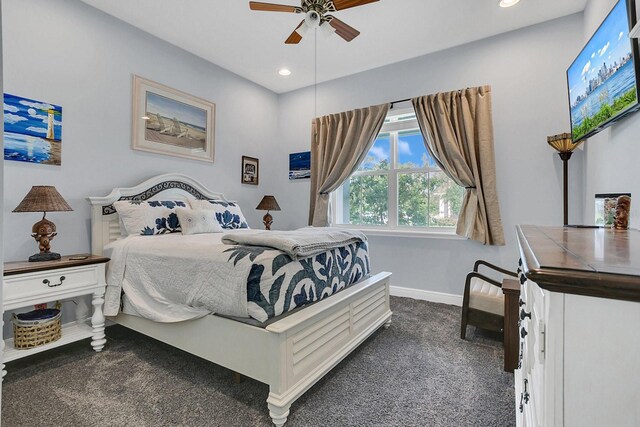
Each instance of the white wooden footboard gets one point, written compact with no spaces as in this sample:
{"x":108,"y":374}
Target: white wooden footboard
{"x":290,"y":355}
{"x":317,"y":338}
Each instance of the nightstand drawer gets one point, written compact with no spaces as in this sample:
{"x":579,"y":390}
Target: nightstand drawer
{"x":52,"y":283}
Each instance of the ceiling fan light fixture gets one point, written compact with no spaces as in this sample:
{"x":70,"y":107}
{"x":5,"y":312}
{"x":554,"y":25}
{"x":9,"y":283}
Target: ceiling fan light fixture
{"x":508,"y":3}
{"x":312,"y":19}
{"x":284,"y":72}
{"x":302,"y":29}
{"x":326,"y":29}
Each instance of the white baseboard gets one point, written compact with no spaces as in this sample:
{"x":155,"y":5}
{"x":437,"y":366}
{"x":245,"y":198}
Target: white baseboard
{"x":439,"y":297}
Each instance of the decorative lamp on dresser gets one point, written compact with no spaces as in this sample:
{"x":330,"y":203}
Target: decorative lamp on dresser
{"x":579,"y":361}
{"x":28,"y":283}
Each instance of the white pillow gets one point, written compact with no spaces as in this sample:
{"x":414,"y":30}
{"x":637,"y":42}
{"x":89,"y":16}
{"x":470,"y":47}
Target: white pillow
{"x":197,"y":221}
{"x":228,"y":214}
{"x":150,"y":217}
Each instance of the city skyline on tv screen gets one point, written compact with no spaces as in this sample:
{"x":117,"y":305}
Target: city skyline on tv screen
{"x":602,"y":79}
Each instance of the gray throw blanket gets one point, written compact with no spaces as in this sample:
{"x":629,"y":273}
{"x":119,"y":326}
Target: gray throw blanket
{"x":298,"y":244}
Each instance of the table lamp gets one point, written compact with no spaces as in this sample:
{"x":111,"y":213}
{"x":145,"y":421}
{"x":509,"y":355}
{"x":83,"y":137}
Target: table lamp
{"x":268,"y":203}
{"x":43,"y":198}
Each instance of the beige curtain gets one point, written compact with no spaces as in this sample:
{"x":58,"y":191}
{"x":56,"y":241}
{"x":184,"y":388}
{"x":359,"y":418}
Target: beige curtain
{"x":458,"y":132}
{"x":339,"y":144}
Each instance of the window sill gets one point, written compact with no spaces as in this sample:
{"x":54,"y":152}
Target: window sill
{"x":421,"y":234}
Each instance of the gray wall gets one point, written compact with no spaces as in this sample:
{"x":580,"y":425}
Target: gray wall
{"x":611,"y":157}
{"x":67,"y":53}
{"x":526,"y":69}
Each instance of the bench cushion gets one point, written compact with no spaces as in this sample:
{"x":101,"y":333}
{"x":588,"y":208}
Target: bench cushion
{"x":486,"y":297}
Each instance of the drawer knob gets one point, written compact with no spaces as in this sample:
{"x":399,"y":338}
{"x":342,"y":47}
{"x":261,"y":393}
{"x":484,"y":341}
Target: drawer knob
{"x":53,"y":285}
{"x":524,"y":314}
{"x":523,"y":333}
{"x":521,"y":303}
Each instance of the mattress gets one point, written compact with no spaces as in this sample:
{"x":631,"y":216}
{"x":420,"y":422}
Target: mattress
{"x":175,"y":277}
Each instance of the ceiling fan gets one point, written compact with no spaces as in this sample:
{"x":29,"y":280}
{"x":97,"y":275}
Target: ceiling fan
{"x":316,"y":16}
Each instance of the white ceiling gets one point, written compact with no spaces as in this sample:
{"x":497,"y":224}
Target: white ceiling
{"x":251,"y":44}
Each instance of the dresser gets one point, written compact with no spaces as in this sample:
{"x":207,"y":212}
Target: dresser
{"x":579,"y":361}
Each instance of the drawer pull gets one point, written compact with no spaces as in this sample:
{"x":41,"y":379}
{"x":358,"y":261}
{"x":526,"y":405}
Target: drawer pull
{"x":53,"y":285}
{"x":521,"y":303}
{"x":524,"y":314}
{"x":521,"y":407}
{"x":523,"y":333}
{"x":526,"y":393}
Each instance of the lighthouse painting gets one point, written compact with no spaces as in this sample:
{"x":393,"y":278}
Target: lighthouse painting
{"x":32,"y":131}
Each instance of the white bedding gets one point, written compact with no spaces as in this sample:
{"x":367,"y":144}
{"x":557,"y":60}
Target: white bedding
{"x":176,"y":277}
{"x":298,"y":244}
{"x":145,"y":261}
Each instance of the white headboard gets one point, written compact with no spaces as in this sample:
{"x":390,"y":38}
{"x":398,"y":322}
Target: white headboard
{"x":105,"y":224}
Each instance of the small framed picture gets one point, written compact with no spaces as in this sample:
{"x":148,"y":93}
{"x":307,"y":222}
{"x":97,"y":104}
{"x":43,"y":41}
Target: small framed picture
{"x":250,"y":170}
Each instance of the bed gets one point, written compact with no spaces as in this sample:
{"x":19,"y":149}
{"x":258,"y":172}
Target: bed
{"x":291,"y":353}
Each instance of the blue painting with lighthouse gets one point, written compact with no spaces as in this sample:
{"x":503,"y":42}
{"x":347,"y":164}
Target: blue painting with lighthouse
{"x":32,"y":131}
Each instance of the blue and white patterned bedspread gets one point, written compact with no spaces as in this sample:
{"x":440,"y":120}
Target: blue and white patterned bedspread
{"x":171,"y":278}
{"x":276,"y":284}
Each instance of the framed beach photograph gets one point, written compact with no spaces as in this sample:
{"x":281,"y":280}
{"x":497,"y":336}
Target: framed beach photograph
{"x":250,"y":170}
{"x":168,"y":121}
{"x":300,"y":165}
{"x":32,"y":131}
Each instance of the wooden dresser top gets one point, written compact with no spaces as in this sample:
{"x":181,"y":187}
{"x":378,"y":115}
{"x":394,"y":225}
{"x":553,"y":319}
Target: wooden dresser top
{"x":585,"y":261}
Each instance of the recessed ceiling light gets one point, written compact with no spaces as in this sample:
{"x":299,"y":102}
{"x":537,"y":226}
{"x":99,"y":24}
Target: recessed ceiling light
{"x":508,"y":3}
{"x":284,"y":72}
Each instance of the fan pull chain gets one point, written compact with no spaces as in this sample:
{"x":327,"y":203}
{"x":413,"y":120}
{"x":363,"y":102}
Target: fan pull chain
{"x":315,"y":74}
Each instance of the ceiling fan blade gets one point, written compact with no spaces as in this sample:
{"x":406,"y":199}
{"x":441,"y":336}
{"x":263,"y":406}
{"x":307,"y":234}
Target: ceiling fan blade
{"x":295,"y":37}
{"x":346,"y":4}
{"x":345,"y":31}
{"x":271,"y":7}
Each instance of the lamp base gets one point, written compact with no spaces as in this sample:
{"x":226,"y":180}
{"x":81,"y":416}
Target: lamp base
{"x":44,"y":256}
{"x":267,"y":220}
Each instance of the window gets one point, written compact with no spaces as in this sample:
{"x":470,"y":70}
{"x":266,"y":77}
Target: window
{"x":399,"y":185}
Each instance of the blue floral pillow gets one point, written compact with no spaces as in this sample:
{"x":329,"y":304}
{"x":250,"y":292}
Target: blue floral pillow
{"x":228,"y":214}
{"x":149,"y":218}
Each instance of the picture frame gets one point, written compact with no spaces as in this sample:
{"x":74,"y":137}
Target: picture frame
{"x":32,"y":131}
{"x":171,"y":122}
{"x":250,"y":172}
{"x":300,"y":165}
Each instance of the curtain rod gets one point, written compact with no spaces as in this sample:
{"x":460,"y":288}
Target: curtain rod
{"x":398,"y":102}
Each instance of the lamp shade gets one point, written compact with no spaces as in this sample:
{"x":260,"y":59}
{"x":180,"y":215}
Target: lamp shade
{"x":43,"y":198}
{"x":563,"y":142}
{"x":268,"y":203}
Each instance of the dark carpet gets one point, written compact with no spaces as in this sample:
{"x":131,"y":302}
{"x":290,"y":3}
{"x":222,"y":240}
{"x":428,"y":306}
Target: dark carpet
{"x":416,"y":373}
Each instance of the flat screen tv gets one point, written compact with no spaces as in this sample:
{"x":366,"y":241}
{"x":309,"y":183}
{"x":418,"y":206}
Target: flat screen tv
{"x":603,"y":79}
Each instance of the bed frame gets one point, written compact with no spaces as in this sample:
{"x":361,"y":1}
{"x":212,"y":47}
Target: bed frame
{"x":291,"y":354}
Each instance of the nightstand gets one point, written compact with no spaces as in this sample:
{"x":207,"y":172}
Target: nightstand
{"x":28,"y":283}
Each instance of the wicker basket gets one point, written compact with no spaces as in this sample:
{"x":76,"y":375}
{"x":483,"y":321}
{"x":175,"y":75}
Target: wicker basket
{"x":36,"y":328}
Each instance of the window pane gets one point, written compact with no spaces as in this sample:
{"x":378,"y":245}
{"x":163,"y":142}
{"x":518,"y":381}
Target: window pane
{"x":412,"y":153}
{"x":365,"y":200}
{"x":445,"y":200}
{"x":413,"y":199}
{"x":379,"y":155}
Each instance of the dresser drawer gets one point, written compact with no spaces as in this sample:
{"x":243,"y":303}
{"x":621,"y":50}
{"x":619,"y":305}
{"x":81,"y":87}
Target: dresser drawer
{"x":54,"y":284}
